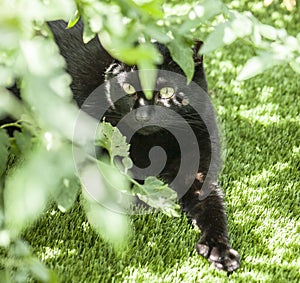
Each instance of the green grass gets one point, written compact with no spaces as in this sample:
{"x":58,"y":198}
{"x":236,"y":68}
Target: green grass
{"x":260,"y":119}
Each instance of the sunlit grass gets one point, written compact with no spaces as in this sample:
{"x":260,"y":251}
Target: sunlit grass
{"x":261,"y":181}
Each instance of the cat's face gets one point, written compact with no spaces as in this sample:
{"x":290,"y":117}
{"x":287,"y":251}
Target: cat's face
{"x":171,"y":96}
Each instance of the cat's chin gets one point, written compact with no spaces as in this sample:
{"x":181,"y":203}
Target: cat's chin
{"x":148,"y":130}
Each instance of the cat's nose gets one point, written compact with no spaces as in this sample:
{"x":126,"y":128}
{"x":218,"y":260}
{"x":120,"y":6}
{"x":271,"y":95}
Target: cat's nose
{"x":143,"y":114}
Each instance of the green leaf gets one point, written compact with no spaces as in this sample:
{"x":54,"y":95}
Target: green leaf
{"x":256,"y":65}
{"x":29,"y":185}
{"x":112,"y":140}
{"x":46,"y":72}
{"x":292,"y":44}
{"x":88,"y":34}
{"x":9,"y":104}
{"x":24,"y":140}
{"x":153,"y":8}
{"x":253,"y":67}
{"x":6,"y":76}
{"x":145,"y":52}
{"x":20,"y":249}
{"x":182,"y":54}
{"x":112,"y":177}
{"x":103,"y":183}
{"x":4,"y":145}
{"x":207,"y":9}
{"x":227,"y":32}
{"x":73,"y":21}
{"x":158,"y":195}
{"x":295,"y":65}
{"x":4,"y":234}
{"x":112,"y":226}
{"x":144,"y":55}
{"x":267,"y":31}
{"x":40,"y":272}
{"x":66,"y":195}
{"x":152,"y":185}
{"x":239,"y":20}
{"x":35,"y":54}
{"x":157,"y":33}
{"x":127,"y":163}
{"x":50,"y":10}
{"x":147,"y":75}
{"x":191,"y":16}
{"x":222,"y":35}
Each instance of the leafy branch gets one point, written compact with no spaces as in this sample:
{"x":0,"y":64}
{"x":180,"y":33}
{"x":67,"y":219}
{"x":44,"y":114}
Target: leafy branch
{"x":128,"y":32}
{"x":153,"y":192}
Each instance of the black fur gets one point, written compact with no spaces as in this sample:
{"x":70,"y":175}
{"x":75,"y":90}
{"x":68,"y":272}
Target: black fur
{"x":90,"y":66}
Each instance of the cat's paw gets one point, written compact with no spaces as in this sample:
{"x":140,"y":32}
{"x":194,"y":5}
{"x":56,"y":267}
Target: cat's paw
{"x":223,"y":257}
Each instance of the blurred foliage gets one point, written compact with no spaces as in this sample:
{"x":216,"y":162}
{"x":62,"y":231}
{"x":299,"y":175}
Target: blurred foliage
{"x":36,"y":161}
{"x":289,"y":4}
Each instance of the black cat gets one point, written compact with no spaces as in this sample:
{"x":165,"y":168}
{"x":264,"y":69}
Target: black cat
{"x":90,"y":66}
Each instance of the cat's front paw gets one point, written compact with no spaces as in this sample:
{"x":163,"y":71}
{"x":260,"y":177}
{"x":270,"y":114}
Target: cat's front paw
{"x":223,"y":257}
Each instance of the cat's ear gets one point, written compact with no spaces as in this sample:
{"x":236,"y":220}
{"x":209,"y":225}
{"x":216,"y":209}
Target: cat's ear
{"x":198,"y":58}
{"x":199,"y":75}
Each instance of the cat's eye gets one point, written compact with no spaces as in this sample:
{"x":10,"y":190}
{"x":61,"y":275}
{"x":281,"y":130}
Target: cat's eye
{"x":167,"y":92}
{"x":128,"y":88}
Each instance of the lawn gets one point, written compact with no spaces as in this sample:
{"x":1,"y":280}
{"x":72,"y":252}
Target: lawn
{"x":260,"y":121}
